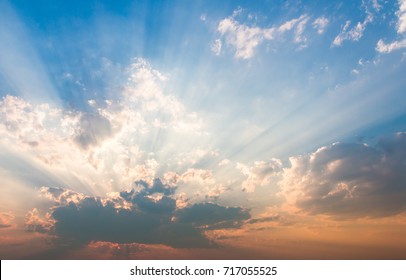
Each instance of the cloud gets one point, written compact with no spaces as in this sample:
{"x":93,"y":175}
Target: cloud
{"x":320,"y":24}
{"x":260,"y":173}
{"x":92,"y":130}
{"x":216,"y":47}
{"x":102,"y":150}
{"x":6,"y":219}
{"x":371,"y":8}
{"x":272,"y":218}
{"x":300,"y":27}
{"x":353,"y":34}
{"x":212,"y":216}
{"x":376,"y":5}
{"x":383,"y":47}
{"x":390,"y":47}
{"x":244,"y":39}
{"x":156,"y":187}
{"x":147,"y":214}
{"x":298,"y":24}
{"x":224,"y":162}
{"x":401,"y":13}
{"x":34,"y":223}
{"x":349,"y":180}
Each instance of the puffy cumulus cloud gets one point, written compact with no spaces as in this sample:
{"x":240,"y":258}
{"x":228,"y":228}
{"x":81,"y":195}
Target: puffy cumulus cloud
{"x":33,"y":125}
{"x":401,"y":13}
{"x":260,"y":173}
{"x":109,"y":146}
{"x":195,"y":185}
{"x":60,"y":195}
{"x":34,"y":222}
{"x":6,"y":219}
{"x":191,"y":175}
{"x":201,"y":176}
{"x":244,"y":39}
{"x":349,"y":180}
{"x":147,"y":214}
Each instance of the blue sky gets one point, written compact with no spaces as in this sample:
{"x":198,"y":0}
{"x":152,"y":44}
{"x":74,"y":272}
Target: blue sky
{"x":258,"y":111}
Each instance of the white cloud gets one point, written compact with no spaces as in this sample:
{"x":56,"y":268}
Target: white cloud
{"x":393,"y":46}
{"x":224,"y":162}
{"x":241,"y":36}
{"x":289,"y":25}
{"x":103,"y":150}
{"x":244,"y":39}
{"x":371,"y":8}
{"x":383,"y":47}
{"x":300,"y":27}
{"x":199,"y":176}
{"x":320,"y":24}
{"x":353,"y":34}
{"x":260,"y":173}
{"x":376,"y":5}
{"x":216,"y":47}
{"x":401,"y":13}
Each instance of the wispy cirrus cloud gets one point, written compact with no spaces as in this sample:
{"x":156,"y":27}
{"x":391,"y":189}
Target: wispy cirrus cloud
{"x":383,"y":47}
{"x":320,"y":24}
{"x":353,"y":34}
{"x":260,"y":173}
{"x":244,"y":39}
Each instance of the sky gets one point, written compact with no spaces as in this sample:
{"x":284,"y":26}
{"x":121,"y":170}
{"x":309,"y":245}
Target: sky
{"x":203,"y":129}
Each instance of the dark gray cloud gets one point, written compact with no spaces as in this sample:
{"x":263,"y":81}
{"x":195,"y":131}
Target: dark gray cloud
{"x":349,"y":180}
{"x":156,"y":187}
{"x":148,"y":216}
{"x":264,"y":219}
{"x":212,"y":216}
{"x":93,"y":129}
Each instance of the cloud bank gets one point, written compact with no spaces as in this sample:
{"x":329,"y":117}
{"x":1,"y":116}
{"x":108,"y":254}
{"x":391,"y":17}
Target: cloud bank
{"x":147,"y":214}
